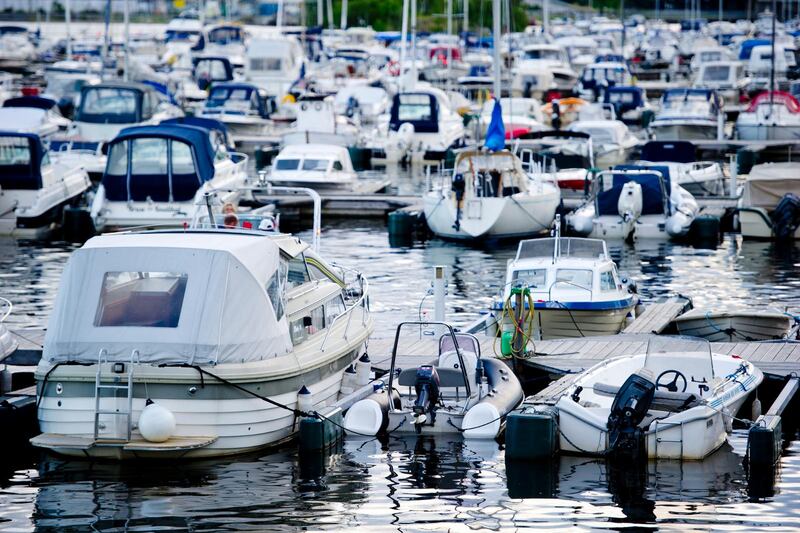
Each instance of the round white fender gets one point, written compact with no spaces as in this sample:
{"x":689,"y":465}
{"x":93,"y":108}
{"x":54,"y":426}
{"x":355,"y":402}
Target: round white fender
{"x":481,"y":422}
{"x":156,"y":423}
{"x":365,"y":417}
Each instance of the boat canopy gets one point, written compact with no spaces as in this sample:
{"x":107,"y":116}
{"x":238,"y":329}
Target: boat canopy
{"x":164,"y":163}
{"x":36,"y":102}
{"x":671,"y":151}
{"x":624,"y":98}
{"x":746,"y":48}
{"x":421,"y":110}
{"x":201,"y":298}
{"x":212,"y":68}
{"x":21,"y":159}
{"x":235,"y":98}
{"x":210,"y":124}
{"x":778,"y":98}
{"x":555,"y":247}
{"x":769,"y":182}
{"x":111,"y":103}
{"x":655,"y":187}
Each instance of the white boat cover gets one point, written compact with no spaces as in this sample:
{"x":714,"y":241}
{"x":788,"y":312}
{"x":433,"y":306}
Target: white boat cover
{"x":769,"y":182}
{"x":226,"y":315}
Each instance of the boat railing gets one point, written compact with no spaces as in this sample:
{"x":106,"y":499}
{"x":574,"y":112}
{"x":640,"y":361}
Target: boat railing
{"x":361,"y":303}
{"x":5,"y":308}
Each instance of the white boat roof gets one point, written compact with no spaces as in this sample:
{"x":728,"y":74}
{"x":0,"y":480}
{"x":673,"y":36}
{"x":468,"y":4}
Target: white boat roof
{"x":769,"y":182}
{"x":23,"y":119}
{"x":224,"y":312}
{"x":320,"y":151}
{"x":552,"y":247}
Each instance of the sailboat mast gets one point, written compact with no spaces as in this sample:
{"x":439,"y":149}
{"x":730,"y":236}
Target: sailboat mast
{"x":496,"y":46}
{"x":772,"y":61}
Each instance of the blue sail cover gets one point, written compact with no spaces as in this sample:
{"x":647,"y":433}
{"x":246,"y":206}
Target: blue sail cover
{"x":20,"y":161}
{"x":158,"y":187}
{"x":496,"y":132}
{"x":652,"y":191}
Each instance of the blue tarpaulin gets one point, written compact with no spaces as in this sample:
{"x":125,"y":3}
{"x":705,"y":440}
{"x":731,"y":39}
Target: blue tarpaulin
{"x":496,"y":132}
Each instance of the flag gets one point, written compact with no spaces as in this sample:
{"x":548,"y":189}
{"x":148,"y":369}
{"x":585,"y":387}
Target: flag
{"x":496,"y":132}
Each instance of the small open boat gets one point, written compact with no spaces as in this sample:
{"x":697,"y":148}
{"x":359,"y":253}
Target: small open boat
{"x":737,"y":326}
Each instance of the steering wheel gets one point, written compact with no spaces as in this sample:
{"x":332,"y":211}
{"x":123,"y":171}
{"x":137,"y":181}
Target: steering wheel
{"x":671,"y":386}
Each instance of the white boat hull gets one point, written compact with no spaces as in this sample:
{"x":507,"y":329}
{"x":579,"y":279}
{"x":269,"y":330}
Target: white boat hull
{"x":734,"y":327}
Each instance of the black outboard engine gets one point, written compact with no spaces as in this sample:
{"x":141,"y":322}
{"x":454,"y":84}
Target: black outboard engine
{"x":427,"y":389}
{"x":625,"y":437}
{"x":458,"y":185}
{"x":786,"y":217}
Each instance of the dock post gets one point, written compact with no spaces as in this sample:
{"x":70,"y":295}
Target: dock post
{"x":438,"y":293}
{"x":734,"y":170}
{"x":764,"y":439}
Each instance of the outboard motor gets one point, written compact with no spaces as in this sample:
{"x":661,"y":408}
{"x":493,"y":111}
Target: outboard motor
{"x":458,"y":186}
{"x":625,"y":437}
{"x":786,"y":217}
{"x":427,"y":389}
{"x":629,"y":205}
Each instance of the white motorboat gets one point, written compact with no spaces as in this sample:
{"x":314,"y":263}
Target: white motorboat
{"x":8,"y":344}
{"x":461,"y":393}
{"x":107,"y":108}
{"x":629,"y":102}
{"x":274,"y":63}
{"x":567,"y":155}
{"x":155,"y":175}
{"x":490,"y":195}
{"x":33,"y":114}
{"x":361,"y":102}
{"x":317,"y":122}
{"x":596,"y":77}
{"x":520,"y":115}
{"x":769,"y":207}
{"x":318,"y":166}
{"x":242,"y":107}
{"x":574,"y":288}
{"x":700,"y":178}
{"x":35,"y":185}
{"x":612,"y":141}
{"x":225,"y":40}
{"x":727,"y":78}
{"x":687,"y":114}
{"x":421,"y":124}
{"x":192,"y":91}
{"x":634,"y":201}
{"x":771,"y":116}
{"x":16,"y":49}
{"x":737,"y":326}
{"x":527,"y":79}
{"x":199,"y":342}
{"x":673,"y":405}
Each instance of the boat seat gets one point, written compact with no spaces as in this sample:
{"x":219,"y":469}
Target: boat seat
{"x":448,"y":377}
{"x":662,"y":400}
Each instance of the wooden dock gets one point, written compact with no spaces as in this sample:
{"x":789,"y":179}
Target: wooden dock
{"x":657,"y":316}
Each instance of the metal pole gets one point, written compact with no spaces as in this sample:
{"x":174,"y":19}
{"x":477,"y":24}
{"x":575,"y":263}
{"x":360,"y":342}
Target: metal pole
{"x":772,"y":62}
{"x":343,"y":23}
{"x":438,"y":293}
{"x":414,"y":76}
{"x":466,"y":15}
{"x":449,"y":46}
{"x":496,"y":47}
{"x":127,"y":16}
{"x":330,"y":14}
{"x":546,"y":16}
{"x":67,"y":17}
{"x":279,"y":15}
{"x":719,"y":29}
{"x":403,"y":44}
{"x":320,"y":13}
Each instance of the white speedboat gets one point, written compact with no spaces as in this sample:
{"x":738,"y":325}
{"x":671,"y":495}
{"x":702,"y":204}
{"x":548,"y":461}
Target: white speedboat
{"x":634,"y":201}
{"x":242,"y":107}
{"x":318,"y":166}
{"x":567,"y":155}
{"x":700,"y":178}
{"x":655,"y":405}
{"x":771,"y":116}
{"x":490,"y":195}
{"x":769,"y":207}
{"x":33,"y":114}
{"x":192,"y":91}
{"x":574,"y":286}
{"x":687,"y":114}
{"x":194,"y":343}
{"x":528,"y":80}
{"x":317,"y":122}
{"x":461,"y":392}
{"x":17,"y":52}
{"x":596,"y":77}
{"x":737,"y":326}
{"x":107,"y":108}
{"x":155,"y":174}
{"x":34,"y":184}
{"x":274,"y":63}
{"x":227,"y":40}
{"x":726,"y":78}
{"x":612,"y":141}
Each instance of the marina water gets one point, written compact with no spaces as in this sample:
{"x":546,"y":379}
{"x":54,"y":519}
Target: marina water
{"x":428,"y":485}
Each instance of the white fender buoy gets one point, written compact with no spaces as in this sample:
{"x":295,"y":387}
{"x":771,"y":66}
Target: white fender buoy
{"x":365,"y":417}
{"x":756,"y":410}
{"x":481,"y":422}
{"x":156,"y":423}
{"x":363,"y":369}
{"x":305,"y":400}
{"x":349,"y":381}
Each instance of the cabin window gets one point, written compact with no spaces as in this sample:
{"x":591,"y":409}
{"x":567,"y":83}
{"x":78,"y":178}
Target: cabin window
{"x":265,"y":63}
{"x":414,"y":107}
{"x":14,"y":151}
{"x":148,"y":106}
{"x":533,"y":277}
{"x":716,"y":73}
{"x":574,"y":277}
{"x":141,"y":299}
{"x":109,"y":105}
{"x":276,"y":289}
{"x":297,"y":331}
{"x":149,"y":156}
{"x":607,"y":281}
{"x":287,"y":164}
{"x":182,"y":161}
{"x":334,"y":308}
{"x":118,"y":159}
{"x":211,"y":70}
{"x":337,"y":165}
{"x":315,"y":164}
{"x":298,"y":273}
{"x":317,"y":320}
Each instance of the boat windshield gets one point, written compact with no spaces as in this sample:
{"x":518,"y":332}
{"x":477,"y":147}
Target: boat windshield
{"x":141,"y":299}
{"x":316,"y":164}
{"x":109,"y":105}
{"x":538,"y":53}
{"x":716,"y":73}
{"x":225,"y":35}
{"x":287,"y":164}
{"x":576,"y":277}
{"x":211,"y":69}
{"x":414,"y":107}
{"x":568,"y":247}
{"x":233,"y":99}
{"x":534,"y":278}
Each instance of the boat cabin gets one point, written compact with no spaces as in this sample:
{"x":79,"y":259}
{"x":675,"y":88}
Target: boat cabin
{"x":236,"y":99}
{"x":655,"y":184}
{"x":211,"y":69}
{"x":420,"y":109}
{"x":118,"y":103}
{"x":23,"y":161}
{"x":689,"y":103}
{"x":312,"y":163}
{"x":624,"y":98}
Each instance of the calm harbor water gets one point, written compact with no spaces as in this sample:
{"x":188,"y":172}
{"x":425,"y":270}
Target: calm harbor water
{"x":408,"y":485}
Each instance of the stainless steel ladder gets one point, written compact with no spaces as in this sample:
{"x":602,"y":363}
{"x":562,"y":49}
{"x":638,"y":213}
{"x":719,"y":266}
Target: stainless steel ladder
{"x":99,"y":386}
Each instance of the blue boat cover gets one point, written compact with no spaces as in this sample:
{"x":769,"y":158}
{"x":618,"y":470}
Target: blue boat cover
{"x":221,"y":93}
{"x":24,"y":175}
{"x":157,"y":187}
{"x":203,"y":122}
{"x":39,"y":102}
{"x":652,"y":192}
{"x":496,"y":132}
{"x":224,"y":60}
{"x":616,"y":96}
{"x":671,"y":151}
{"x":424,"y":112}
{"x":746,"y":48}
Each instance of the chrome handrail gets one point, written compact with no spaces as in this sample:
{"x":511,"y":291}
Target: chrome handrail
{"x":361,"y":302}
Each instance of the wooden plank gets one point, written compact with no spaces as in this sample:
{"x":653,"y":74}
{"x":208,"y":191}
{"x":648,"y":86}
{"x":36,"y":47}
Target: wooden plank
{"x":773,"y":350}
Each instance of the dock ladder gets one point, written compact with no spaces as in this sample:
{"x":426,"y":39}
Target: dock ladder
{"x":116,"y":385}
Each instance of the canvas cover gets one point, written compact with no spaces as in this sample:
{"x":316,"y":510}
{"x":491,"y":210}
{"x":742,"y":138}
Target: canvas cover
{"x":768,"y":183}
{"x":226,"y":315}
